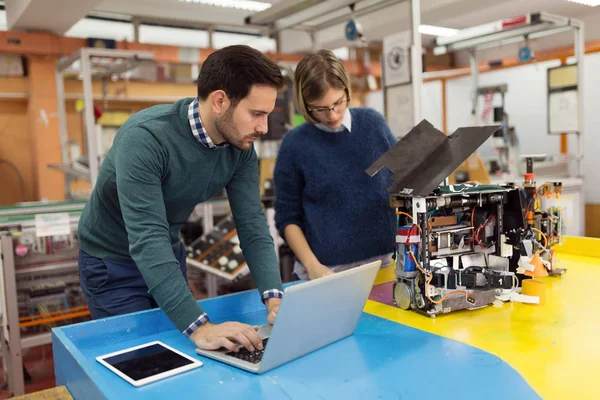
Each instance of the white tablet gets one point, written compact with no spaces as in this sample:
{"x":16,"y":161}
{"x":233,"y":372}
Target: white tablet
{"x":148,"y":363}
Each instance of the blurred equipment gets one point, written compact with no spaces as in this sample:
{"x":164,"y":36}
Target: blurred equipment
{"x":106,"y":64}
{"x":39,"y":283}
{"x":504,"y":140}
{"x":218,"y":252}
{"x":565,"y":101}
{"x":548,"y":224}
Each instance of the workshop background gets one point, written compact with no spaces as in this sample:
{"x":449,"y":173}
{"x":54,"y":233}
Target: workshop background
{"x":73,"y":71}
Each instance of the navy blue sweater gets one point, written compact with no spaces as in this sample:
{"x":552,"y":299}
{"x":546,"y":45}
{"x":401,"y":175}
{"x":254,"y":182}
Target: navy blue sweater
{"x":321,"y":186}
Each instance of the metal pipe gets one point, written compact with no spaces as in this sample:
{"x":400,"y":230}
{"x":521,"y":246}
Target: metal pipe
{"x":58,"y":268}
{"x":280,"y":10}
{"x":475,"y":80}
{"x":307,"y":15}
{"x":112,"y":53}
{"x":357,"y":13}
{"x":66,"y":63}
{"x":416,"y":60}
{"x":425,"y":250}
{"x":314,"y":41}
{"x":136,"y":29}
{"x":493,"y":38}
{"x":15,"y":359}
{"x":37,"y":340}
{"x":88,"y":111}
{"x":34,"y":209}
{"x":250,"y":29}
{"x":62,"y":125}
{"x":499,"y":227}
{"x":579,"y":58}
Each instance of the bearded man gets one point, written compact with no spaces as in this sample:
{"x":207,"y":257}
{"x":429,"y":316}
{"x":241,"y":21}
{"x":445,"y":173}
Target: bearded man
{"x":163,"y":162}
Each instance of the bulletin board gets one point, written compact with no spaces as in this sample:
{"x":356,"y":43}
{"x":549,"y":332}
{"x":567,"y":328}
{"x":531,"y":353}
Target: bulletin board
{"x":399,"y":109}
{"x":563,"y":97}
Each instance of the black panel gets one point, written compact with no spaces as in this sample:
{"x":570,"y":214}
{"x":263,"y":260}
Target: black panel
{"x":421,"y":160}
{"x":513,"y":210}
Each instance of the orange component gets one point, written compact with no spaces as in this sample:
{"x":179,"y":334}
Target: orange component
{"x":53,"y":313}
{"x":530,"y":217}
{"x":54,"y":319}
{"x":563,"y":143}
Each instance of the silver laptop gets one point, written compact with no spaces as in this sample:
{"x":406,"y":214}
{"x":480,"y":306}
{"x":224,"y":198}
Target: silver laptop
{"x":312,"y":315}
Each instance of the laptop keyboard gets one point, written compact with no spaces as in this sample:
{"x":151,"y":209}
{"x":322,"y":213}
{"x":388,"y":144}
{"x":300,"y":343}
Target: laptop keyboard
{"x":253,"y":357}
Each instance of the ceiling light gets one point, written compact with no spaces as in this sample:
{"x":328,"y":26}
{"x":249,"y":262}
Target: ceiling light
{"x":437,"y":30}
{"x":591,"y":3}
{"x":247,"y":5}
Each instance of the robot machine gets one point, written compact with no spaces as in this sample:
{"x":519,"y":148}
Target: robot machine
{"x":463,"y":246}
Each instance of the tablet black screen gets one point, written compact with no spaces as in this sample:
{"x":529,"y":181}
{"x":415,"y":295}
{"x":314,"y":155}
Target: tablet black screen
{"x":147,"y":361}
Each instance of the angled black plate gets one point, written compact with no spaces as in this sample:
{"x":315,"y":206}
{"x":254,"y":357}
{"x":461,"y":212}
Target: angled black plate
{"x":421,"y":160}
{"x":412,"y":150}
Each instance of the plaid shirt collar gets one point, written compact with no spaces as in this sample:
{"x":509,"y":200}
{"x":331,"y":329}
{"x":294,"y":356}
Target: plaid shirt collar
{"x":198,"y":129}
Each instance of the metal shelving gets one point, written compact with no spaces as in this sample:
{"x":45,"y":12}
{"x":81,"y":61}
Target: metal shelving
{"x":93,"y":63}
{"x":19,"y":274}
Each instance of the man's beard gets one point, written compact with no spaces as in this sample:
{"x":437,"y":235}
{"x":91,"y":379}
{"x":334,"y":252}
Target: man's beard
{"x":228,"y":131}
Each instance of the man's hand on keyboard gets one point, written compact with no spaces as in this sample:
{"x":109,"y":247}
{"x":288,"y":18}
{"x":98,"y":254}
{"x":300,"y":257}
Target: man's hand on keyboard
{"x":228,"y":334}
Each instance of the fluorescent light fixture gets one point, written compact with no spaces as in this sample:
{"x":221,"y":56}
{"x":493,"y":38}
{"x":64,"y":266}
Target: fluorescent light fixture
{"x":247,"y":5}
{"x":591,"y":3}
{"x":437,"y":30}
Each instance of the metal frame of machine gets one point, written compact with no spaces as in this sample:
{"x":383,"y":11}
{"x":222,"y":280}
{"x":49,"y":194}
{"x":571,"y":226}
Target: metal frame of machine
{"x":462,"y":246}
{"x":35,"y":271}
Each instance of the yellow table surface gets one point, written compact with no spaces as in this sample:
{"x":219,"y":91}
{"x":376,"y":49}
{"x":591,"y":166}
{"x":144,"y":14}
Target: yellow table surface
{"x":555,"y":347}
{"x":56,"y":393}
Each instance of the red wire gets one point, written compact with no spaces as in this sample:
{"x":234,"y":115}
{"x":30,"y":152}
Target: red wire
{"x":490,"y":219}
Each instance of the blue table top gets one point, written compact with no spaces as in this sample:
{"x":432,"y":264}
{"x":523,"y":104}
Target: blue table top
{"x":382,"y":360}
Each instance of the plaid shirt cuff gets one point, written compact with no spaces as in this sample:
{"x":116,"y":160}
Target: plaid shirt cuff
{"x":196,"y":324}
{"x":272,"y":293}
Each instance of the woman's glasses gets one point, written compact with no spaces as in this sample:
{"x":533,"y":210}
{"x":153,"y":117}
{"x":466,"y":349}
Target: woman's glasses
{"x":323,"y":111}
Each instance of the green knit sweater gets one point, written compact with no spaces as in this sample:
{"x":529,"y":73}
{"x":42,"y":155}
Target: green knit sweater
{"x":154,"y":175}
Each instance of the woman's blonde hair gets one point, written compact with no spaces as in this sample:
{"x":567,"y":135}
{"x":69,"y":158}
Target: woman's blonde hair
{"x":315,"y":74}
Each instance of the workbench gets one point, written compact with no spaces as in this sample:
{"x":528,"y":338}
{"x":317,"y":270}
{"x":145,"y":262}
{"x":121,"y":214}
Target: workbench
{"x":517,"y":351}
{"x":55,"y":393}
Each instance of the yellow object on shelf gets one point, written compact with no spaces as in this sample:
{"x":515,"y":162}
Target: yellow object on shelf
{"x":476,"y":169}
{"x":114,"y":118}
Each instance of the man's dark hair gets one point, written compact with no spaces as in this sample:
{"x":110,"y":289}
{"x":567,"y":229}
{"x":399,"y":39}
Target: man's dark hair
{"x":235,"y":69}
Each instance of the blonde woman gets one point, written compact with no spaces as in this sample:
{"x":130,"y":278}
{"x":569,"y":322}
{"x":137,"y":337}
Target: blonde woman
{"x":329,"y":211}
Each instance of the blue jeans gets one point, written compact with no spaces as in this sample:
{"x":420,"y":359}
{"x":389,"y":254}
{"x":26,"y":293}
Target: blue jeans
{"x":113,"y":288}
